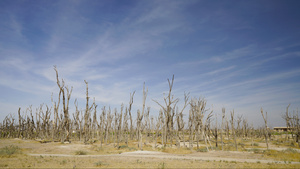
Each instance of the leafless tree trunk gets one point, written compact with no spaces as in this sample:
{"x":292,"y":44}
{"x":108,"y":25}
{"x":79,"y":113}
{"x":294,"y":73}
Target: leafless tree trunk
{"x":125,"y":126}
{"x":140,"y":117}
{"x":245,"y":128}
{"x":233,"y":130}
{"x":266,"y":126}
{"x":95,"y":122}
{"x":222,"y":127}
{"x":108,"y":125}
{"x":20,"y":122}
{"x":168,"y":109}
{"x":119,"y":125}
{"x":191,"y":127}
{"x":158,"y":120}
{"x":56,"y":116}
{"x":238,"y":129}
{"x":287,"y":119}
{"x":130,"y":116}
{"x":62,"y":88}
{"x":87,"y":115}
{"x":102,"y":125}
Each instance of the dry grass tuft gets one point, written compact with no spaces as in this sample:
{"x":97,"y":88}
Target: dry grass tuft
{"x":285,"y":155}
{"x":9,"y":151}
{"x":176,"y":151}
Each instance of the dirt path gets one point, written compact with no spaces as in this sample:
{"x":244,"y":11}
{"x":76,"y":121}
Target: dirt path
{"x":34,"y":148}
{"x":209,"y":156}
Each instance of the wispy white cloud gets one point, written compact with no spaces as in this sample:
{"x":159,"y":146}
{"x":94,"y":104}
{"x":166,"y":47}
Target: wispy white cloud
{"x":142,"y":43}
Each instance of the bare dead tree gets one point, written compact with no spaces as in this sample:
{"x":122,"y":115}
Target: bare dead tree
{"x":87,"y":115}
{"x":162,"y":122}
{"x":287,"y":118}
{"x":296,"y":126}
{"x":20,"y":122}
{"x":56,"y":116}
{"x":245,"y":128}
{"x":152,"y":129}
{"x":115,"y":128}
{"x":222,"y":127}
{"x":215,"y":131}
{"x":140,"y":118}
{"x":130,"y":116}
{"x":198,"y":110}
{"x":233,"y":130}
{"x":157,"y":127}
{"x":103,"y":125}
{"x":119,"y":126}
{"x":191,"y":127}
{"x":238,"y":129}
{"x":125,"y":126}
{"x":109,"y":119}
{"x":147,"y":124}
{"x":66,"y":93}
{"x":95,"y":121}
{"x":266,"y":126}
{"x":170,"y":104}
{"x":45,"y":117}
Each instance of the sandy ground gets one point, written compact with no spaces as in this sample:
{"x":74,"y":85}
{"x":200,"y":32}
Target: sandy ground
{"x":208,"y":156}
{"x":36,"y":149}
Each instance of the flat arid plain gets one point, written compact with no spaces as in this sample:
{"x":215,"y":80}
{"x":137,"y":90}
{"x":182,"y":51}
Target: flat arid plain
{"x":19,"y":153}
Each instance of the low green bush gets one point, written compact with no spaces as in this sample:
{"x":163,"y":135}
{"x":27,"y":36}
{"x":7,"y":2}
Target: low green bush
{"x":10,"y":150}
{"x":80,"y":152}
{"x":204,"y":149}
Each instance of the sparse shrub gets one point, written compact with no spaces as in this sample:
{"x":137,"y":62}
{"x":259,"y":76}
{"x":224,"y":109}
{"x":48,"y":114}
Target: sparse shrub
{"x":63,"y":162}
{"x":255,"y":150}
{"x":202,"y":149}
{"x":254,"y":144}
{"x":132,"y":148}
{"x":98,"y":164}
{"x":122,"y":147}
{"x":241,"y":144}
{"x":80,"y":152}
{"x":162,"y":165}
{"x":290,"y":150}
{"x":10,"y":150}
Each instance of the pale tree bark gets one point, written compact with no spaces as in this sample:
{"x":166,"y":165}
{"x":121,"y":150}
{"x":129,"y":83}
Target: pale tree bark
{"x":245,"y":128}
{"x":140,"y":118}
{"x":56,"y":116}
{"x":115,"y":128}
{"x":103,"y":126}
{"x":287,"y":119}
{"x":238,"y":129}
{"x":222,"y":127}
{"x":130,"y":116}
{"x":198,"y":110}
{"x":233,"y":130}
{"x":95,"y":121}
{"x":125,"y":126}
{"x":157,"y":127}
{"x":266,"y":126}
{"x":20,"y":122}
{"x":87,"y":115}
{"x":65,"y":94}
{"x":168,"y":109}
{"x":108,"y":125}
{"x":119,"y":127}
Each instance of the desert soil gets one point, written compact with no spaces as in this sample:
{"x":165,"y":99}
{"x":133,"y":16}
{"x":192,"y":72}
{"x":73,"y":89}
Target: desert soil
{"x":57,"y":155}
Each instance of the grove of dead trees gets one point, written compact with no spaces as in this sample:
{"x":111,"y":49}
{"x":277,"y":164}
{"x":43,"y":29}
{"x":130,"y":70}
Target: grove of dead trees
{"x":188,"y":127}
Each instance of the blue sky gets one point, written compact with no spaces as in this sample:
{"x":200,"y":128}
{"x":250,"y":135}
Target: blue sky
{"x":241,"y":55}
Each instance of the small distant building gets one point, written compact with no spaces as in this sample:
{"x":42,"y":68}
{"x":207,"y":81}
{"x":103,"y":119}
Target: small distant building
{"x":282,"y":129}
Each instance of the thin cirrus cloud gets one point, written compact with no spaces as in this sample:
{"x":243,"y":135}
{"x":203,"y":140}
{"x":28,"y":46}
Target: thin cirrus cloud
{"x":234,"y":56}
